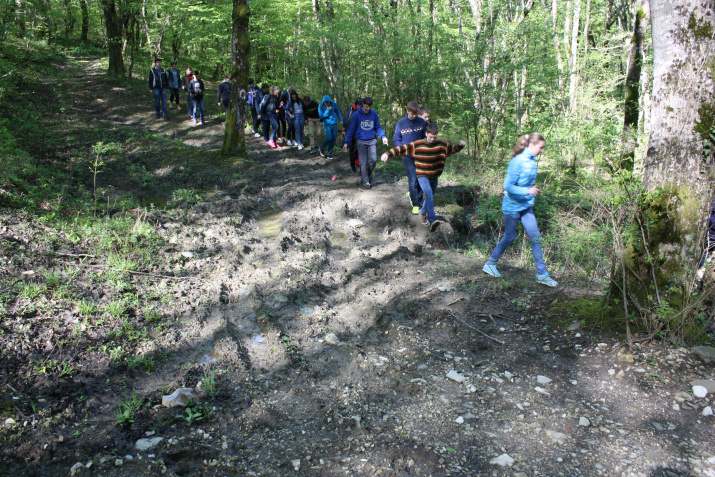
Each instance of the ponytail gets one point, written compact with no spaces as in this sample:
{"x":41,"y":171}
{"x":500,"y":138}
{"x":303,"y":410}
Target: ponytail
{"x":524,"y":141}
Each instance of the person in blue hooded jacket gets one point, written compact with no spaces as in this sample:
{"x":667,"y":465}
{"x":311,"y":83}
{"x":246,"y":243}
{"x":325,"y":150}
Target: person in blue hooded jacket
{"x":519,"y":197}
{"x":329,"y":113}
{"x":365,"y":127}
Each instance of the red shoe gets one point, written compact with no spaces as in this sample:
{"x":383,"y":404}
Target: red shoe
{"x":272,"y":143}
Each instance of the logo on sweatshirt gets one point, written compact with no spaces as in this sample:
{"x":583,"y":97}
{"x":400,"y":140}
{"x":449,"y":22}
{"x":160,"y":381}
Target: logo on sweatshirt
{"x":367,"y":124}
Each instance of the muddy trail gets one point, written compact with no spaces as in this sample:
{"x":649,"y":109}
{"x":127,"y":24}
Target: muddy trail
{"x":328,"y":331}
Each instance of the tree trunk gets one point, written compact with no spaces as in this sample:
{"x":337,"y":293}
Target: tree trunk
{"x":635,"y":63}
{"x":114,"y":39}
{"x":85,"y":19}
{"x":573,"y":58}
{"x":679,"y":176}
{"x":234,"y":140}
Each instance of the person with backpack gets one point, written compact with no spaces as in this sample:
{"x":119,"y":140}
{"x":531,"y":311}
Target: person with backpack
{"x":223,"y":95}
{"x":312,"y":117}
{"x":329,"y":113}
{"x":174,"y":82}
{"x":157,"y":85}
{"x":270,"y":108}
{"x":352,"y":146}
{"x":429,"y":155}
{"x":409,"y":129}
{"x":520,"y":194}
{"x":294,"y":109}
{"x":365,"y":127}
{"x":185,"y":82}
{"x":258,"y":101}
{"x":196,"y":88}
{"x":252,"y":91}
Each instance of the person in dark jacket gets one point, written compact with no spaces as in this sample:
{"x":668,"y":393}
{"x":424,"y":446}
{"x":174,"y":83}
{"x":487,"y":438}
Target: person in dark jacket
{"x":312,"y":117}
{"x":223,"y":95}
{"x":157,"y":85}
{"x":409,"y":129}
{"x":252,"y":91}
{"x":352,"y":147}
{"x":174,"y":82}
{"x":270,"y":108}
{"x":294,"y":110}
{"x":185,"y":82}
{"x":257,"y":101}
{"x":197,"y":90}
{"x":287,"y":126}
{"x":365,"y":127}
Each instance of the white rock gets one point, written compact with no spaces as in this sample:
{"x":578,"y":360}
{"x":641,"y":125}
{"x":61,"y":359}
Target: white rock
{"x":584,"y":422}
{"x":508,"y":375}
{"x":611,"y":372}
{"x":472,"y":388}
{"x":459,"y":420}
{"x":455,"y":376}
{"x":558,"y":437}
{"x":119,"y":462}
{"x":128,"y":458}
{"x":180,"y":397}
{"x":700,"y":391}
{"x":355,"y":223}
{"x":332,"y":339}
{"x":543,"y":380}
{"x":10,"y":421}
{"x":76,"y":468}
{"x":542,"y":391}
{"x":224,"y":445}
{"x":187,"y":254}
{"x":708,"y":411}
{"x":446,"y":288}
{"x":676,"y":406}
{"x":708,"y":384}
{"x":296,"y":464}
{"x":146,"y":444}
{"x":503,"y":460}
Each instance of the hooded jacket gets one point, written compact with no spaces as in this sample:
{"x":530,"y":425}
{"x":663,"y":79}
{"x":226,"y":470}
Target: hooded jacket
{"x":157,"y":78}
{"x":364,"y":126}
{"x":409,"y":130}
{"x":330,"y":117}
{"x":520,"y":177}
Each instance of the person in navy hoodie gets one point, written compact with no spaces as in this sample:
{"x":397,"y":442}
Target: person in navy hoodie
{"x":409,"y":129}
{"x":329,"y":113}
{"x":365,"y":127}
{"x":158,"y":83}
{"x":174,"y":82}
{"x":257,"y":102}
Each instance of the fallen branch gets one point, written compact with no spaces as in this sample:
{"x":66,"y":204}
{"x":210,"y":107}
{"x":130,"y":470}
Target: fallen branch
{"x":473,"y":328}
{"x":78,"y":255}
{"x":455,"y":301}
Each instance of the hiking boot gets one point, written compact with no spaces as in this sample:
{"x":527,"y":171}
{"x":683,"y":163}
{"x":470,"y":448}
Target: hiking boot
{"x":424,"y":220}
{"x":547,"y":280}
{"x":434,"y":224}
{"x":490,"y":269}
{"x":415,"y":210}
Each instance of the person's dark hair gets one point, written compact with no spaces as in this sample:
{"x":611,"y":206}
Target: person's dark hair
{"x":250,"y":81}
{"x":358,"y":101}
{"x":227,"y":76}
{"x":525,"y":140}
{"x":265,"y":86}
{"x":157,"y":60}
{"x":188,"y":68}
{"x":292,"y":91}
{"x":306,"y":99}
{"x":424,"y":110}
{"x":173,"y":63}
{"x":196,"y":72}
{"x":413,"y":107}
{"x":431,"y":129}
{"x":367,"y":100}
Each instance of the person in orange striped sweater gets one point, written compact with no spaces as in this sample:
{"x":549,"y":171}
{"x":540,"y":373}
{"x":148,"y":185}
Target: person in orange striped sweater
{"x":430,"y":154}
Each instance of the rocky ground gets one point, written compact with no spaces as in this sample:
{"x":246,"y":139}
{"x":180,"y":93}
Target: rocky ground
{"x":328,"y":332}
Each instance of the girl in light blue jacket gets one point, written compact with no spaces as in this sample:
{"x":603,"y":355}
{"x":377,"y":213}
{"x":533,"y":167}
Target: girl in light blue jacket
{"x":519,"y":196}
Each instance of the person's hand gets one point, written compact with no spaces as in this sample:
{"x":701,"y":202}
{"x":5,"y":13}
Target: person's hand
{"x":533,"y":191}
{"x":219,"y":103}
{"x":329,"y":108}
{"x":151,"y":90}
{"x":258,"y":117}
{"x":384,"y":157}
{"x":291,"y":116}
{"x":462,"y":143}
{"x":345,"y":148}
{"x":384,"y":141}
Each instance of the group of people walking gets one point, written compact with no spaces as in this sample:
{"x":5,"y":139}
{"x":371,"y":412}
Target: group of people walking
{"x":190,"y":83}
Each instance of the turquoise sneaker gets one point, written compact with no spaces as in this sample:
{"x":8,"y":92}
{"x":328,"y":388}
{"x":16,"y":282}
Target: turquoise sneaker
{"x":491,"y":270}
{"x":547,"y":280}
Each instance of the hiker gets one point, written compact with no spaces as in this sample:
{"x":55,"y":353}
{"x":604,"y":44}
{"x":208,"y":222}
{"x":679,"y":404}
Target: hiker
{"x":262,"y":118}
{"x":270,"y":108}
{"x":352,"y":146}
{"x":287,"y":126}
{"x":429,"y":155}
{"x":330,"y":116}
{"x":424,"y":114}
{"x":252,"y":92}
{"x":185,"y":82}
{"x":312,"y":117}
{"x":409,"y":129}
{"x":294,"y":109}
{"x":709,"y":239}
{"x":519,"y":197}
{"x":365,"y":127}
{"x":196,"y":88}
{"x":157,"y":85}
{"x":174,"y":82}
{"x":224,"y":93}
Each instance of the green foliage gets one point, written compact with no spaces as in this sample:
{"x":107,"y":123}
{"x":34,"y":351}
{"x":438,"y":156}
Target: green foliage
{"x":127,"y":410}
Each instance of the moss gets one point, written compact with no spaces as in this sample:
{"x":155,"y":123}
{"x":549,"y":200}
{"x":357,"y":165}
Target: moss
{"x":702,"y":30}
{"x":704,"y":127}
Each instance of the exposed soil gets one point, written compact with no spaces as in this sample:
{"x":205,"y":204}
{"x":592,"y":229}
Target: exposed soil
{"x":330,"y":318}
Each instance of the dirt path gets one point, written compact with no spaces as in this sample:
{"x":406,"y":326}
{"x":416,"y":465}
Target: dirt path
{"x":346,"y":339}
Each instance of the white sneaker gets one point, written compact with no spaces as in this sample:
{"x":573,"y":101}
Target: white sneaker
{"x":291,"y":143}
{"x":257,"y":135}
{"x":301,"y":147}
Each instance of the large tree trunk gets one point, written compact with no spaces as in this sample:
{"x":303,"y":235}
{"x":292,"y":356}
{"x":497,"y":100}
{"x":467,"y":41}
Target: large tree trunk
{"x":114,"y":38}
{"x":234,"y":140}
{"x":679,"y":176}
{"x":85,"y":19}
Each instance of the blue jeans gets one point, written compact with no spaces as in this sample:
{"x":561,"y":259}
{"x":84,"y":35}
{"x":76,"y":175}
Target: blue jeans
{"x":428,"y":185}
{"x":416,"y":194}
{"x":270,"y":124}
{"x":160,"y":98}
{"x":190,"y":105}
{"x":174,"y":94}
{"x":532,"y":230}
{"x":331,"y":135}
{"x":199,"y":104}
{"x":299,"y":124}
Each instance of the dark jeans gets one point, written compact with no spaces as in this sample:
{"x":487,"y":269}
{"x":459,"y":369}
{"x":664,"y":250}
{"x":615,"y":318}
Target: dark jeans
{"x":270,"y":124}
{"x":226,"y":102}
{"x":413,"y":185}
{"x":160,"y":100}
{"x":354,"y":156}
{"x":299,"y":128}
{"x":428,"y":185}
{"x":284,"y":126}
{"x":190,"y":103}
{"x":256,"y":121}
{"x":527,"y":219}
{"x":174,"y":94}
